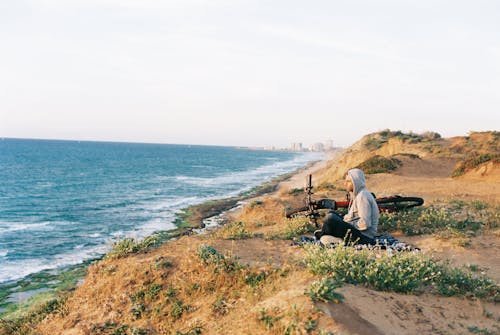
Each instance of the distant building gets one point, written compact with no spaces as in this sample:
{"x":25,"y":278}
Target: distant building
{"x":317,"y":147}
{"x":328,"y":145}
{"x":296,"y":146}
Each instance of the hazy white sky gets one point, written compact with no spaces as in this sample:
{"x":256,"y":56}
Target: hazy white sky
{"x":232,"y":72}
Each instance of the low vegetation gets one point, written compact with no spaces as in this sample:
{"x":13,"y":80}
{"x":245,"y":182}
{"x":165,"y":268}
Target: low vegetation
{"x":290,"y":321}
{"x":379,"y":164}
{"x":472,"y":162}
{"x":294,"y":227}
{"x":398,"y":272}
{"x":235,"y":231}
{"x":455,"y":218}
{"x":127,"y":246}
{"x":25,"y":324}
{"x":377,"y":140}
{"x":324,"y":290}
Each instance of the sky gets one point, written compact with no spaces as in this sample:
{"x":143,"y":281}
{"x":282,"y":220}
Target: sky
{"x":249,"y":73}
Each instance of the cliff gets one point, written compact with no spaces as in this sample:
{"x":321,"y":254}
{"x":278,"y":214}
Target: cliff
{"x":247,"y":278}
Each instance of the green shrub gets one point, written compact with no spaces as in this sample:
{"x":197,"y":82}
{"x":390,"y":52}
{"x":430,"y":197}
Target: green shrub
{"x":473,"y":162}
{"x":110,"y":328}
{"x":171,"y":293}
{"x":374,"y":143}
{"x":478,"y":205}
{"x":256,"y":203}
{"x":162,"y":263}
{"x":268,"y":319}
{"x":296,"y":191}
{"x":295,"y":227}
{"x":128,"y":245}
{"x":139,"y":331}
{"x":196,"y":330}
{"x":255,"y":279}
{"x":153,"y":291}
{"x":455,"y":281}
{"x":136,"y":310}
{"x":399,"y":272}
{"x":178,"y":309}
{"x":220,"y":306}
{"x":113,"y":328}
{"x":377,"y":140}
{"x":379,"y":164}
{"x":324,"y":290}
{"x":430,"y":135}
{"x":454,"y":219}
{"x":210,"y":256}
{"x":404,"y":272}
{"x":236,"y":231}
{"x":482,"y":331}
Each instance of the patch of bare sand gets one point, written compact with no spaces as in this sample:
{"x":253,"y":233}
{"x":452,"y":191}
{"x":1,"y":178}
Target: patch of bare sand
{"x":425,"y":167}
{"x":260,"y":252}
{"x":489,"y":171}
{"x":430,"y":179}
{"x":397,"y":314}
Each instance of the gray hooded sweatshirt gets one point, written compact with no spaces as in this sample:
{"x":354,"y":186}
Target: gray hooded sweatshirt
{"x":363,"y":210}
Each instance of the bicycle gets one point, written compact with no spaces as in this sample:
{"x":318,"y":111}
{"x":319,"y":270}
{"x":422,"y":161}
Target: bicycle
{"x":388,"y":204}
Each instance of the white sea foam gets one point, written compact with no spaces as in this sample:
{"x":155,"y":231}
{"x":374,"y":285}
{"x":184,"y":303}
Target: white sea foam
{"x":6,"y":227}
{"x":15,"y":270}
{"x":171,"y":203}
{"x":250,"y":178}
{"x":3,"y":252}
{"x":118,"y":234}
{"x":152,"y":226}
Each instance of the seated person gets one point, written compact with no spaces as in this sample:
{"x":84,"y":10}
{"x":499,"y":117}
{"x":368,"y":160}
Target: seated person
{"x":360,"y":223}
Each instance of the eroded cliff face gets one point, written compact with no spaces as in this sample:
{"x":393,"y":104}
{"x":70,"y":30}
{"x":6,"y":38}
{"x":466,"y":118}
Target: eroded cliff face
{"x":427,"y":149}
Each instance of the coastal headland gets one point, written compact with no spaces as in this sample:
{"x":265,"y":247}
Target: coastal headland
{"x":249,"y":277}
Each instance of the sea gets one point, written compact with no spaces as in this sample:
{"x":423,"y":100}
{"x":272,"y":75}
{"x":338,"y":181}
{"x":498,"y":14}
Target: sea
{"x":66,"y":202}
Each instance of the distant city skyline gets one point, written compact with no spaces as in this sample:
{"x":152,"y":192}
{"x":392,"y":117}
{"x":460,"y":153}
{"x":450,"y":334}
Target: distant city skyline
{"x":240,"y":73}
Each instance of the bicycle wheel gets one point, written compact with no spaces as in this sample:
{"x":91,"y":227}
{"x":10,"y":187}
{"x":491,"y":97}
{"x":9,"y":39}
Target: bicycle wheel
{"x":396,"y":203}
{"x":289,"y":213}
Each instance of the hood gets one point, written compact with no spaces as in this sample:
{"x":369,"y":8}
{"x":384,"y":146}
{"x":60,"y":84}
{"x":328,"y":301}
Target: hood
{"x":358,"y":180}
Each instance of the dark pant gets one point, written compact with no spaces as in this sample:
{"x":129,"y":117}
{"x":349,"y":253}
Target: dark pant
{"x":334,"y":225}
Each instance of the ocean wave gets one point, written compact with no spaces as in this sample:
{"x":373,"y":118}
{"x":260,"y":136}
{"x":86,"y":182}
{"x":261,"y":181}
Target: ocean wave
{"x":252,"y":177}
{"x":18,"y":269}
{"x":152,"y":226}
{"x":7,"y":227}
{"x":3,"y":253}
{"x":244,"y":180}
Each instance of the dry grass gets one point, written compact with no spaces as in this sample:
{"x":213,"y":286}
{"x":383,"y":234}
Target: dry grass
{"x":256,"y":285}
{"x":174,"y":289}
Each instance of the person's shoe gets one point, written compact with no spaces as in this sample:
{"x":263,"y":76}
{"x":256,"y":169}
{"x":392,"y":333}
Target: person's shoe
{"x":317,"y":234}
{"x":330,"y":241}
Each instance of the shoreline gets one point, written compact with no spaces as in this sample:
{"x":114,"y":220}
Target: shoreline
{"x":44,"y":286}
